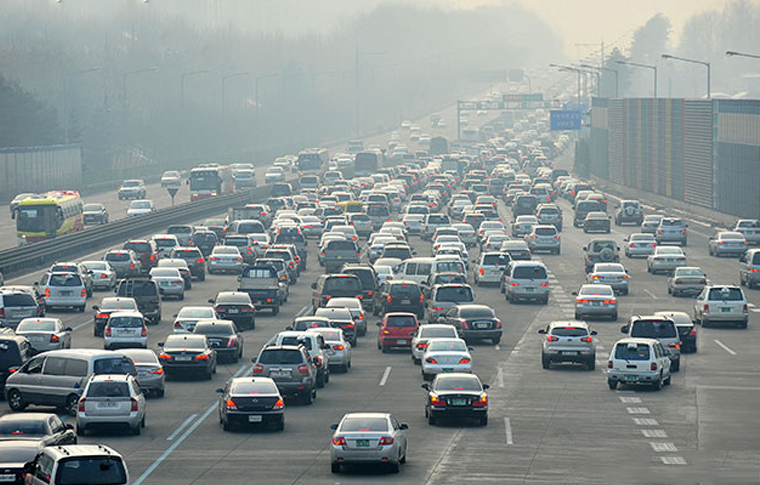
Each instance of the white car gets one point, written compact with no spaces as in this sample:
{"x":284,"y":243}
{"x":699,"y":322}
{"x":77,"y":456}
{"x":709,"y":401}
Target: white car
{"x":111,"y":399}
{"x":595,"y":300}
{"x":125,"y":329}
{"x":103,"y":275}
{"x":45,"y":333}
{"x":444,"y":356}
{"x":171,"y":178}
{"x":274,"y":174}
{"x":225,"y":258}
{"x":428,"y":332}
{"x":638,"y":361}
{"x":723,"y":304}
{"x":188,"y":316}
{"x":639,"y":244}
{"x":613,"y":274}
{"x":140,"y":207}
{"x":666,"y":258}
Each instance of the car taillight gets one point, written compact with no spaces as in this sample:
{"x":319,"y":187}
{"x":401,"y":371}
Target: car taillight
{"x":545,"y":285}
{"x":84,"y":293}
{"x":609,"y":302}
{"x":465,"y":360}
{"x":706,"y":308}
{"x":47,"y":292}
{"x":80,"y":408}
{"x":552,"y":338}
{"x":279,"y":404}
{"x":201,"y":357}
{"x":200,"y":260}
{"x":431,"y":360}
{"x":587,"y":339}
{"x":338,"y":347}
{"x":436,"y":401}
{"x":745,"y":308}
{"x":231,"y":405}
{"x":693,"y":332}
{"x":158,"y":371}
{"x":303,"y":369}
{"x":134,"y":405}
{"x":165,"y":356}
{"x":258,"y":369}
{"x":152,"y":257}
{"x":481,"y":402}
{"x":422,"y":345}
{"x":609,"y":364}
{"x":464,"y":324}
{"x":498,"y":323}
{"x":107,"y":331}
{"x":653,"y":366}
{"x":514,"y":284}
{"x":388,"y":298}
{"x":339,"y":441}
{"x":55,"y":338}
{"x":674,"y":345}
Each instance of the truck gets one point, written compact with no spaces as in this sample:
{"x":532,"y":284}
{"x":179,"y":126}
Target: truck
{"x":264,"y":287}
{"x":367,"y":162}
{"x":439,"y":145}
{"x":312,"y":161}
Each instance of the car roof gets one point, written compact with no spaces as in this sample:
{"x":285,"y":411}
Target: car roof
{"x":26,"y":416}
{"x":568,"y":323}
{"x":110,"y":377}
{"x":68,"y":451}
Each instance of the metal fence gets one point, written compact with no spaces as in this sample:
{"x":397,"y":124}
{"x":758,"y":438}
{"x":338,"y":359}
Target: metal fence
{"x":38,"y":169}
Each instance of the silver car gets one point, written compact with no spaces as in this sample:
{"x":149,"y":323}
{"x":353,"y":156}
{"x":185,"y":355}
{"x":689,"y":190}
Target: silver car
{"x":523,"y":225}
{"x":665,"y":258}
{"x":595,"y":301}
{"x":428,"y":332}
{"x":189,"y":316}
{"x":672,"y":230}
{"x":687,"y":280}
{"x":721,"y":303}
{"x":368,"y":438}
{"x":526,"y":280}
{"x":488,"y":267}
{"x":750,"y":229}
{"x":339,"y":353}
{"x":467,"y":234}
{"x":111,"y":399}
{"x":544,"y":238}
{"x":170,"y":281}
{"x":650,"y":224}
{"x":125,"y":329}
{"x":150,"y":372}
{"x":225,"y":259}
{"x":639,"y":244}
{"x":103,"y":274}
{"x":749,"y":268}
{"x":613,"y":274}
{"x":63,"y":290}
{"x":568,"y":342}
{"x":45,"y":333}
{"x":443,"y":356}
{"x":727,"y":243}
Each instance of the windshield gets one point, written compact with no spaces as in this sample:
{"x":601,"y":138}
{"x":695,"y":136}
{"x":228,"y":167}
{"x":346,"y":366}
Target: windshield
{"x":447,"y":346}
{"x":140,"y":204}
{"x":653,"y":329}
{"x":108,"y":389}
{"x":41,"y":218}
{"x":343,"y":284}
{"x":457,"y":384}
{"x":21,"y":428}
{"x":115,"y":257}
{"x":125,"y":322}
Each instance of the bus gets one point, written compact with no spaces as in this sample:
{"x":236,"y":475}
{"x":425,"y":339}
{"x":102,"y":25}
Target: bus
{"x":312,"y":161}
{"x":439,"y":145}
{"x":210,"y":181}
{"x":49,"y":215}
{"x":367,"y":163}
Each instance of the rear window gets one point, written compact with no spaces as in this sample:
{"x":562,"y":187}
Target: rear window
{"x":341,"y":246}
{"x":179,"y":230}
{"x":364,"y":424}
{"x":405,"y":290}
{"x":449,"y":267}
{"x":478,"y":312}
{"x":289,"y":237}
{"x":726,"y":294}
{"x":114,"y":365}
{"x":253,"y":387}
{"x":401,"y":321}
{"x":342,"y":284}
{"x":125,"y":322}
{"x":546,"y":231}
{"x":137,"y":247}
{"x":139,"y":288}
{"x":365,"y":276}
{"x":529,"y":273}
{"x":187,"y":254}
{"x":756,"y":259}
{"x":426,"y":332}
{"x":18,"y":300}
{"x":378,"y":211}
{"x":494,"y":260}
{"x":434,"y":219}
{"x":280,"y":356}
{"x":569,"y":331}
{"x":117,"y":257}
{"x":165,"y":243}
{"x":233,"y":299}
{"x":184,"y":343}
{"x":458,"y":384}
{"x":624,"y":352}
{"x":64,"y":280}
{"x":108,"y":389}
{"x":455,"y":294}
{"x":653,"y":329}
{"x":213,"y":329}
{"x":247,"y":227}
{"x":91,"y":471}
{"x":22,"y":428}
{"x":295,"y":341}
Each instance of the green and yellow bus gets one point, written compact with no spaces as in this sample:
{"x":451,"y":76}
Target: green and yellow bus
{"x":48,"y":215}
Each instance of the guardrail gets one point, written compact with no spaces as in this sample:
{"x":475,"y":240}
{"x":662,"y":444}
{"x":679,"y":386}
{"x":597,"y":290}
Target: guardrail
{"x":17,"y":260}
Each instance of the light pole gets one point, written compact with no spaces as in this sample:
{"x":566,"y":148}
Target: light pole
{"x":571,"y":69}
{"x":66,"y":78}
{"x":184,"y":76}
{"x":256,"y":87}
{"x":356,"y":81}
{"x":643,"y":66}
{"x":741,"y":54}
{"x":224,"y":86}
{"x":693,"y":61}
{"x":605,"y":69}
{"x":124,"y":85}
{"x":598,"y":78}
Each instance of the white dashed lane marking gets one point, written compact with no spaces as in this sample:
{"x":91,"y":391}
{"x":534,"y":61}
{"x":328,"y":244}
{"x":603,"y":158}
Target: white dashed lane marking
{"x":629,"y":400}
{"x":673,"y":460}
{"x":663,"y":447}
{"x":654,"y":433}
{"x":724,"y":347}
{"x":645,"y":422}
{"x":638,"y":410}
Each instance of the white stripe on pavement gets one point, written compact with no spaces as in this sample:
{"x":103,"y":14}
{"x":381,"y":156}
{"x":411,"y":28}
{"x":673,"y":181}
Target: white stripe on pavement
{"x":508,"y":431}
{"x":724,"y":347}
{"x":386,"y":374}
{"x":83,"y":324}
{"x":181,"y":427}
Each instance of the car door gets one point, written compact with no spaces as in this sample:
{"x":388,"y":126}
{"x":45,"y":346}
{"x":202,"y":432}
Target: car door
{"x":29,"y":379}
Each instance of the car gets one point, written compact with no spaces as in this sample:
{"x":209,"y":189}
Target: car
{"x":187,"y":353}
{"x":425,"y":333}
{"x":613,"y":274}
{"x":749,"y":268}
{"x":687,"y":280}
{"x":638,"y":361}
{"x":660,"y":328}
{"x":339,"y":348}
{"x":291,"y":368}
{"x":140,"y":207}
{"x":46,"y":429}
{"x":368,"y":438}
{"x":443,"y":356}
{"x":629,"y":212}
{"x":164,"y":244}
{"x":107,"y":306}
{"x":223,"y":336}
{"x":62,"y":290}
{"x":225,"y":259}
{"x":650,"y":223}
{"x":368,"y":277}
{"x":516,"y":250}
{"x":330,"y":286}
{"x":596,"y":221}
{"x":315,"y":346}
{"x":132,"y":189}
{"x":274,"y":174}
{"x":188,"y":316}
{"x":205,"y":240}
{"x":170,"y":282}
{"x":341,"y":318}
{"x":150,"y":373}
{"x":94,"y":214}
{"x":721,"y":304}
{"x":111,"y":399}
{"x":45,"y":333}
{"x":687,"y":331}
{"x":523,"y":225}
{"x":444,"y":296}
{"x":146,"y":293}
{"x":146,"y":250}
{"x":672,"y":230}
{"x":171,"y":179}
{"x":15,"y":457}
{"x":727,"y":243}
{"x":251,"y":400}
{"x":354,"y":305}
{"x":595,"y":300}
{"x":16,"y":305}
{"x":489,"y":267}
{"x":102,"y":273}
{"x":568,"y":341}
{"x":396,"y":330}
{"x":474,"y":322}
{"x":665,"y":258}
{"x":600,"y":250}
{"x":544,"y":238}
{"x":639,"y":244}
{"x":237,"y":307}
{"x":456,"y":396}
{"x":196,"y":262}
{"x":399,"y":296}
{"x":750,"y":229}
{"x":549,"y":214}
{"x":525,"y":281}
{"x":61,"y":465}
{"x":125,"y":329}
{"x":583,"y":208}
{"x":15,"y":351}
{"x":124,"y":262}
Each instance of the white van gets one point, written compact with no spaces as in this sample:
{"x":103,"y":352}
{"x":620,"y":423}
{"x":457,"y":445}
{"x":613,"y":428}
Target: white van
{"x":414,"y":269}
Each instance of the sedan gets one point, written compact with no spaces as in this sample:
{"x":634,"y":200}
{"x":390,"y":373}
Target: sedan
{"x":458,"y":396}
{"x":687,"y":331}
{"x":188,"y":316}
{"x":103,"y":275}
{"x":523,"y":225}
{"x":639,"y":244}
{"x":140,"y":208}
{"x":225,"y":259}
{"x":251,"y":400}
{"x":517,"y":250}
{"x":428,"y":332}
{"x":45,"y":428}
{"x":170,"y":282}
{"x":666,"y":258}
{"x":45,"y":333}
{"x":444,"y":356}
{"x":613,"y":274}
{"x":94,"y":214}
{"x":687,"y":280}
{"x":223,"y":336}
{"x":474,"y":322}
{"x":189,"y":353}
{"x":235,"y":306}
{"x":650,"y":224}
{"x":368,"y":438}
{"x":595,"y":300}
{"x":274,"y":174}
{"x":727,"y":243}
{"x":150,"y":373}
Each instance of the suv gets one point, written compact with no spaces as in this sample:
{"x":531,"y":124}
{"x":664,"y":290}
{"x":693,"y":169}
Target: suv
{"x":183,"y":232}
{"x":146,"y":251}
{"x":544,"y":238}
{"x":335,"y":285}
{"x":489,"y":266}
{"x":57,"y":465}
{"x":368,"y":278}
{"x":111,"y":399}
{"x":600,"y":251}
{"x":443,"y":297}
{"x":721,"y":303}
{"x":314,"y":344}
{"x":432,"y":222}
{"x":659,"y":328}
{"x":337,"y":252}
{"x":749,"y":268}
{"x":525,"y":280}
{"x":15,"y":350}
{"x":549,"y":214}
{"x":399,"y":296}
{"x":290,"y":368}
{"x":638,"y":361}
{"x":568,"y":342}
{"x":194,"y":258}
{"x":671,"y":229}
{"x":629,"y":212}
{"x":132,"y":189}
{"x":146,"y":293}
{"x":16,"y":306}
{"x":583,"y":208}
{"x":124,"y":262}
{"x":63,"y":290}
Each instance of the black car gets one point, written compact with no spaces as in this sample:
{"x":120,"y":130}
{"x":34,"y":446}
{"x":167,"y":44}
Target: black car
{"x":46,"y":428}
{"x":367,"y":276}
{"x":251,"y":400}
{"x":399,"y":296}
{"x":205,"y":241}
{"x":330,"y":286}
{"x":456,"y":396}
{"x":474,"y":322}
{"x":14,"y":352}
{"x":195,"y":261}
{"x":223,"y":336}
{"x":188,"y":353}
{"x":14,"y":455}
{"x":237,"y":307}
{"x":94,"y":214}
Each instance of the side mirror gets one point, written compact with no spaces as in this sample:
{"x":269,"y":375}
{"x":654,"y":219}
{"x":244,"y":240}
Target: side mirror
{"x":334,"y":426}
{"x":220,"y":390}
{"x":471,"y":349}
{"x":68,"y":329}
{"x":175,"y":315}
{"x":253,"y":360}
{"x":96,"y":308}
{"x":542,"y":331}
{"x":624,"y":329}
{"x":486,"y":387}
{"x":404,"y":426}
{"x":593,"y":332}
{"x":36,"y":283}
{"x":426,"y":387}
{"x":575,"y":293}
{"x":314,"y":286}
{"x":379,"y":324}
{"x":315,"y":360}
{"x":585,"y":248}
{"x":68,"y":426}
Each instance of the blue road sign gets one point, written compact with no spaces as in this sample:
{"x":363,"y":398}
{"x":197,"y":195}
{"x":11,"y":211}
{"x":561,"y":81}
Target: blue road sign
{"x":565,"y":119}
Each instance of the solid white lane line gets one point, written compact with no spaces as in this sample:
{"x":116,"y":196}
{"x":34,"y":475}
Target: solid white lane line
{"x":724,"y":347}
{"x":755,"y":310}
{"x":637,"y":410}
{"x":508,"y":431}
{"x":181,"y":427}
{"x":650,"y":293}
{"x":673,"y":460}
{"x":386,"y":374}
{"x":662,"y":447}
{"x":654,"y":433}
{"x":500,"y":377}
{"x":80,"y":325}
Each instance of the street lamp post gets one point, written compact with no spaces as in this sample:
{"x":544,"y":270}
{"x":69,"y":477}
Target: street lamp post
{"x":694,"y":61}
{"x":741,"y":54}
{"x":256,"y":87}
{"x":184,"y":76}
{"x":605,"y":69}
{"x":598,"y":78}
{"x":224,"y":86}
{"x":124,"y":85}
{"x":571,"y":69}
{"x":66,"y":78}
{"x":644,"y":66}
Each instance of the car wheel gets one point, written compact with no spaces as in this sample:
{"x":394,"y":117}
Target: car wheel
{"x":276,"y":310}
{"x":320,"y":381}
{"x":202,"y":277}
{"x":431,"y":419}
{"x":82,"y":308}
{"x":656,"y":385}
{"x":743,"y":324}
{"x":578,"y":316}
{"x":396,"y":466}
{"x":591,"y":363}
{"x":416,"y":361}
{"x":496,"y":340}
{"x":426,"y":376}
{"x":545,"y":362}
{"x":226,"y":426}
{"x":160,"y":393}
{"x":280,"y":425}
{"x":335,"y":467}
{"x":16,"y":401}
{"x":667,"y":381}
{"x":71,"y":404}
{"x":209,"y":374}
{"x":612,"y":384}
{"x":676,"y":366}
{"x":308,"y":399}
{"x":181,"y":296}
{"x":614,"y":316}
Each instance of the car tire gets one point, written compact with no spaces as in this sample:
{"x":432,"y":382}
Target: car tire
{"x":308,"y":399}
{"x":209,"y":374}
{"x":16,"y":401}
{"x":667,"y":381}
{"x":591,"y":363}
{"x":614,"y":317}
{"x":160,"y":393}
{"x":656,"y":385}
{"x":743,"y":324}
{"x":202,"y":277}
{"x":334,"y":467}
{"x":280,"y":425}
{"x":676,"y":366}
{"x":82,"y":308}
{"x":81,"y":431}
{"x":431,"y":419}
{"x":276,"y":310}
{"x":181,"y":296}
{"x":545,"y":362}
{"x":416,"y":361}
{"x":496,"y":340}
{"x":396,"y":467}
{"x":226,"y":426}
{"x":426,"y":376}
{"x":612,"y":384}
{"x":71,"y":404}
{"x":320,"y":381}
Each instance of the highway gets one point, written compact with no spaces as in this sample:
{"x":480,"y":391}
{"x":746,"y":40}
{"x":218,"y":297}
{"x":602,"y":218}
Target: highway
{"x":546,"y":426}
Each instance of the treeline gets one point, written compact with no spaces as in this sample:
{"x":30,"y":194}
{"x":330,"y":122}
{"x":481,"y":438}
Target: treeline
{"x":24,"y":119}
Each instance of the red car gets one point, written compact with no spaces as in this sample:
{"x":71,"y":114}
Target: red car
{"x":397,"y":330}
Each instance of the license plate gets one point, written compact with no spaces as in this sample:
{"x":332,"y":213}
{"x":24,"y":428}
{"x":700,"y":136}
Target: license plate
{"x":275,"y":374}
{"x":401,"y":342}
{"x":233,"y":311}
{"x":459,"y":402}
{"x":255,"y":419}
{"x":107,"y":404}
{"x":529,"y":289}
{"x":631,"y":378}
{"x":67,"y":293}
{"x":7,"y":477}
{"x":183,"y":358}
{"x":569,"y":353}
{"x":482,"y":325}
{"x":724,"y":309}
{"x":164,"y":284}
{"x":406,"y":302}
{"x":447,"y":371}
{"x":362,"y":443}
{"x":36,"y":338}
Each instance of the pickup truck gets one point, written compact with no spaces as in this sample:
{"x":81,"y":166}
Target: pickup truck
{"x":263,"y":285}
